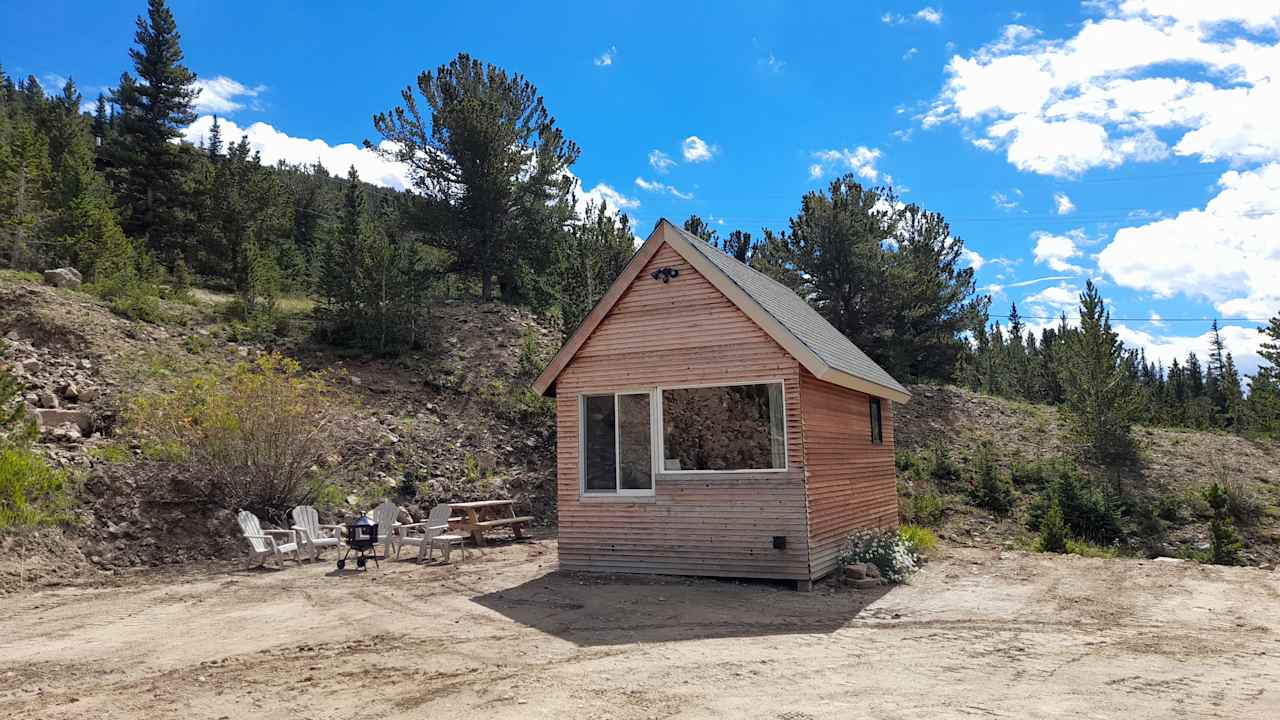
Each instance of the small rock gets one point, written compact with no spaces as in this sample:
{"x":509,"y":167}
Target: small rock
{"x":355,"y":380}
{"x":70,"y":391}
{"x":46,"y":399}
{"x":865,"y":583}
{"x":88,"y":394}
{"x":856,"y":571}
{"x":31,"y":366}
{"x":872,"y":571}
{"x":85,"y":364}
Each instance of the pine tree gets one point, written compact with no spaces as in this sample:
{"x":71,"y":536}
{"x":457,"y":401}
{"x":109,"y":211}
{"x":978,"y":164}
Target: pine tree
{"x":1262,"y":408}
{"x":154,"y":106}
{"x":214,"y":146}
{"x":1102,"y":400}
{"x":492,"y":156}
{"x":695,"y":225}
{"x":588,"y":259}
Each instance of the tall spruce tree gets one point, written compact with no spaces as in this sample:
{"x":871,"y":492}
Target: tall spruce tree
{"x":492,"y":154}
{"x":154,"y":107}
{"x":1102,"y":399}
{"x":1262,"y":410}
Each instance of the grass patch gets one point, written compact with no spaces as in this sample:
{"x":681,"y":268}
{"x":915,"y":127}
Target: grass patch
{"x":31,"y":492}
{"x":111,"y":453}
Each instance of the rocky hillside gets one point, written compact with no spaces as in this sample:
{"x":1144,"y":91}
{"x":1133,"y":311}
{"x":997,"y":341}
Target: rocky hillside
{"x":449,"y":421}
{"x":1173,"y":463}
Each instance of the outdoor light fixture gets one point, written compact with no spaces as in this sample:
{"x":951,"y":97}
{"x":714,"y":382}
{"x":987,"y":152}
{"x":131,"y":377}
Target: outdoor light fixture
{"x":664,"y":274}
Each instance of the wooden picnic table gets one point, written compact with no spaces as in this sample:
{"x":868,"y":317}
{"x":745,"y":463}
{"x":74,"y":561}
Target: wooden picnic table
{"x":483,"y":515}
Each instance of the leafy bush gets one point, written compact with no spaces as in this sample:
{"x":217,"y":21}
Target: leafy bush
{"x":1087,"y":511}
{"x":1053,"y":530}
{"x":989,"y":486}
{"x":1084,"y":548}
{"x":924,"y":508}
{"x":885,"y":549}
{"x":920,"y":541}
{"x":942,"y":468}
{"x":31,"y":493}
{"x":251,"y":438}
{"x":1243,"y":506}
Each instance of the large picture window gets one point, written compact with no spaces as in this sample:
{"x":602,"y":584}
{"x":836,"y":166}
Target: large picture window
{"x":724,"y":428}
{"x":617,"y":445}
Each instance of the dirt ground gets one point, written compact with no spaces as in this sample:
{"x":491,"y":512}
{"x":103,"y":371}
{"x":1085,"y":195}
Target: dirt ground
{"x":507,"y":635}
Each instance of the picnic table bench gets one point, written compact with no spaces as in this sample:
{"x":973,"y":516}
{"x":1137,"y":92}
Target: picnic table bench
{"x":483,"y":515}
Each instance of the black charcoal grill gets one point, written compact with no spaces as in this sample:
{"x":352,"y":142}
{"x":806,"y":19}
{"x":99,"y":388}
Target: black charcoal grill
{"x":362,"y":537}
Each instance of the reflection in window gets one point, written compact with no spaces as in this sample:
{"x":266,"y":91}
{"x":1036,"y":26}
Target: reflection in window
{"x":733,"y":427}
{"x":617,"y":452}
{"x":877,"y":433}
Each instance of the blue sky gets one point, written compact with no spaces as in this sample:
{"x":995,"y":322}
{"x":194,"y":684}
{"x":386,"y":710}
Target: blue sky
{"x":1134,"y":142}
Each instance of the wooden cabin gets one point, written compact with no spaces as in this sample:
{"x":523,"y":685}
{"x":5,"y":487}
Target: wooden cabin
{"x":710,"y":422}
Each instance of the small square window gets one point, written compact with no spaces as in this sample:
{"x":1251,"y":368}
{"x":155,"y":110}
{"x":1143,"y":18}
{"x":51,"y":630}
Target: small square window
{"x":877,"y":433}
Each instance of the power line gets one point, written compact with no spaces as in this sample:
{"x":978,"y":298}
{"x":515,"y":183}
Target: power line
{"x":1149,"y":320}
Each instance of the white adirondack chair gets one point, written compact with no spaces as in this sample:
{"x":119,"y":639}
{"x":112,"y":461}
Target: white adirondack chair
{"x":263,"y":544}
{"x":385,"y":515}
{"x":422,"y":533}
{"x":311,"y":534}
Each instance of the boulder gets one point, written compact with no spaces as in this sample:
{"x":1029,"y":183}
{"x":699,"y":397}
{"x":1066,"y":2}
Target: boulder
{"x":87,"y":394}
{"x":64,"y":277}
{"x":46,"y":399}
{"x":872,"y":571}
{"x":53,"y":417}
{"x":865,"y":583}
{"x":856,"y":571}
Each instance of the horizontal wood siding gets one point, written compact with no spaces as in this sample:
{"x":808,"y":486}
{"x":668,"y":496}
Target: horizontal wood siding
{"x":850,"y":481}
{"x":683,"y":332}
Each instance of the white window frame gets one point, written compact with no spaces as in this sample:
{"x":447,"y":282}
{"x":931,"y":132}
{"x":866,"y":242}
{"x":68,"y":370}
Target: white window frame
{"x":657,"y":449}
{"x":617,"y":490}
{"x":662,"y":450}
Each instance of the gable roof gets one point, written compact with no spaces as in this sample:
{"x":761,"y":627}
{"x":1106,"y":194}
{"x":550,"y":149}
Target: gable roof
{"x":783,"y":315}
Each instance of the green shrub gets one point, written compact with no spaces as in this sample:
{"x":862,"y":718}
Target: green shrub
{"x":137,"y":302}
{"x":920,"y":541}
{"x":530,"y":360}
{"x":1088,"y":513}
{"x":31,"y":493}
{"x":883,"y":548}
{"x":1243,"y":506}
{"x":1053,"y":530}
{"x":1224,"y":542}
{"x":942,"y":468}
{"x":1083,"y":548}
{"x":111,"y":453}
{"x":925,"y":508}
{"x":251,"y":438}
{"x":989,"y":486}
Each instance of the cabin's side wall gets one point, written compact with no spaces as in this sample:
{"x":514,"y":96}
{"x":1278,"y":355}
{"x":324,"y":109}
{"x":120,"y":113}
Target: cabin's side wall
{"x":851,"y":481}
{"x":683,"y":332}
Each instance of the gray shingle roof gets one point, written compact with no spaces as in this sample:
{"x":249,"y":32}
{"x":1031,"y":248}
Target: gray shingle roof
{"x":797,"y":316}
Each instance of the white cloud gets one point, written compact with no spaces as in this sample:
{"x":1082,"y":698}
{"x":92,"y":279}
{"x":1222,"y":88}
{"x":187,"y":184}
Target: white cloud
{"x":1097,"y":98}
{"x":860,"y":160}
{"x":1007,"y":201}
{"x":695,"y":149}
{"x":601,"y":193}
{"x":930,"y":15}
{"x":1056,"y":250}
{"x":1242,"y":342}
{"x":772,"y":64}
{"x":911,"y":53}
{"x":276,"y":146}
{"x":1156,"y":320}
{"x":660,"y":161}
{"x":1059,"y":298}
{"x":1228,"y":253}
{"x":1063,"y":204}
{"x":605,"y":59}
{"x":972,"y":258}
{"x":220,"y":94}
{"x":650,"y":186}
